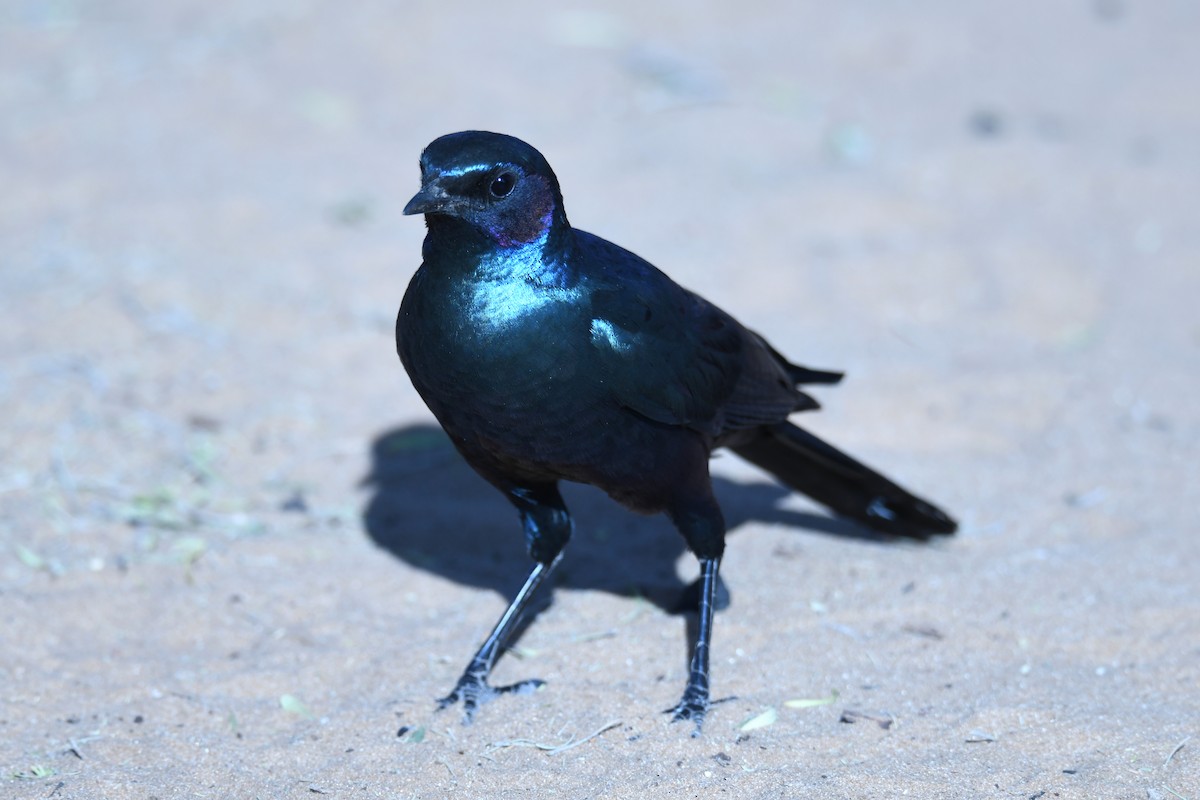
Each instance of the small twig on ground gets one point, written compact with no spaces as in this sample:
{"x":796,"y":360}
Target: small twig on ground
{"x":74,"y":746}
{"x":1178,"y":747}
{"x":555,"y":749}
{"x":851,"y":715}
{"x":641,"y":605}
{"x":591,"y":637}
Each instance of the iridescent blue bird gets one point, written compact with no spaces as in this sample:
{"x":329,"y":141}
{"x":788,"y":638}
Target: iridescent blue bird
{"x":550,"y":354}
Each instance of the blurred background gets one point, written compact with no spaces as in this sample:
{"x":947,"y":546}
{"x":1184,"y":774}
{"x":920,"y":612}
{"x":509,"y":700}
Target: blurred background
{"x":984,"y":212}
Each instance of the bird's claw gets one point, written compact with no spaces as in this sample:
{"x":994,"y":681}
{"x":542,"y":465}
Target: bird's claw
{"x":691,"y":707}
{"x":474,"y":690}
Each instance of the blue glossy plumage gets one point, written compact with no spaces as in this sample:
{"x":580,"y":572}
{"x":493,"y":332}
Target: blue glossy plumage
{"x":548,"y":353}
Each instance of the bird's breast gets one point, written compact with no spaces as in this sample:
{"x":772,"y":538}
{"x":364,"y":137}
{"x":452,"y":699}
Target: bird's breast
{"x":492,"y":347}
{"x":498,"y":310}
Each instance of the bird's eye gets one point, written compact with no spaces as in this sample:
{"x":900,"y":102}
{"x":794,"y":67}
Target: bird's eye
{"x":502,"y":185}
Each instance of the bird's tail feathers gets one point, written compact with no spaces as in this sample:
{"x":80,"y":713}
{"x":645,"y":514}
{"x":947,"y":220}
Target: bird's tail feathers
{"x":809,"y":465}
{"x":803,"y":375}
{"x":797,"y":374}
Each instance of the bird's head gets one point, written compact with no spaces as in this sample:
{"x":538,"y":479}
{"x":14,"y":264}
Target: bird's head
{"x":494,"y":183}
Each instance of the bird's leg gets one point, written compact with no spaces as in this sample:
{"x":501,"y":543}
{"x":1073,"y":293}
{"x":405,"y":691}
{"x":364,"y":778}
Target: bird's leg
{"x":698,"y":518}
{"x":547,"y":529}
{"x":694,"y":703}
{"x":472,"y":688}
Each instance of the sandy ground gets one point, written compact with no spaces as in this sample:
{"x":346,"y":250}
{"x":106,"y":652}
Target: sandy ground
{"x":218,"y":490}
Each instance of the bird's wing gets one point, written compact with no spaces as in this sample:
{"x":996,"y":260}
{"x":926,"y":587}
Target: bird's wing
{"x":675,"y":358}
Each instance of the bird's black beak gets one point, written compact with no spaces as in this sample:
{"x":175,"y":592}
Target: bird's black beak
{"x":431,"y":199}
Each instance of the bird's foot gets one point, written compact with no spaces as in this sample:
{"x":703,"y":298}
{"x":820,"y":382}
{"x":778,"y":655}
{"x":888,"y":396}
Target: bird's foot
{"x":473,"y":690}
{"x":691,"y":707}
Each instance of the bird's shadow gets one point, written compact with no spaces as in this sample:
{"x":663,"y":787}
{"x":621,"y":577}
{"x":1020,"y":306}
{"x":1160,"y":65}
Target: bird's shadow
{"x":429,"y":508}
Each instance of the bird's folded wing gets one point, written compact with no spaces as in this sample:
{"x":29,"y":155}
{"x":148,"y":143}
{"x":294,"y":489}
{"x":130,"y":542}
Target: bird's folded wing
{"x":672,"y":357}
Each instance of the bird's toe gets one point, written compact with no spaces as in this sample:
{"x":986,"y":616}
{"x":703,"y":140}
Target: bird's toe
{"x":473,"y":691}
{"x":692,"y":707}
